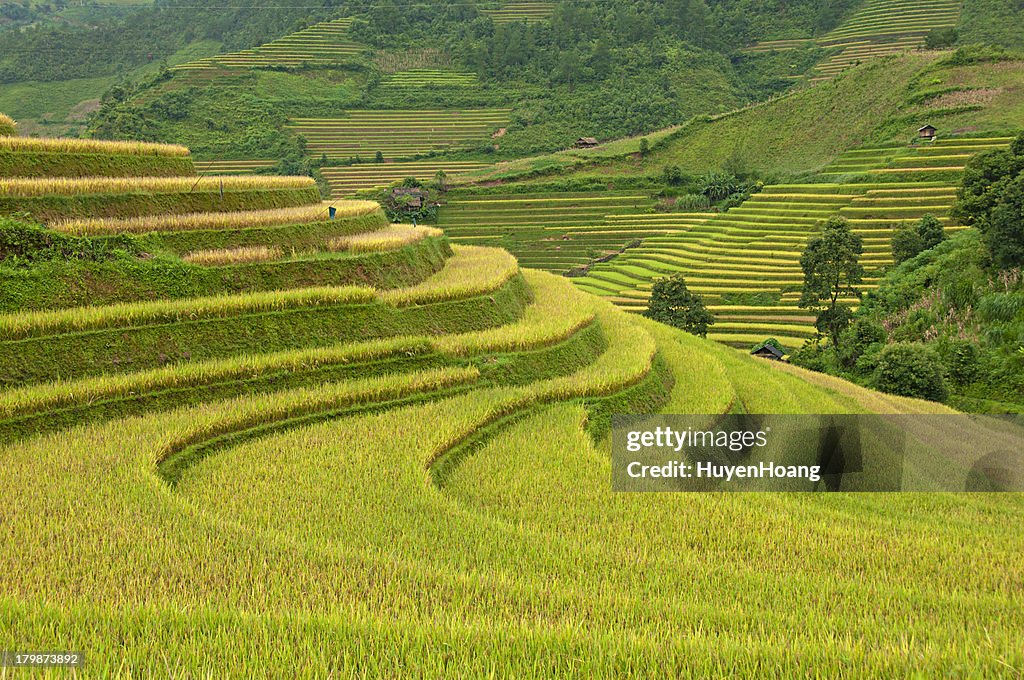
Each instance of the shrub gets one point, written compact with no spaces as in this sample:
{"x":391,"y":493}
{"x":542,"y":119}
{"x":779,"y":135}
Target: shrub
{"x":7,"y":126}
{"x":961,"y":361}
{"x":693,"y":202}
{"x":859,"y":338}
{"x":673,"y":304}
{"x":673,"y":175}
{"x":718,"y":186}
{"x":810,"y":356}
{"x":911,"y":370}
{"x":939,"y":38}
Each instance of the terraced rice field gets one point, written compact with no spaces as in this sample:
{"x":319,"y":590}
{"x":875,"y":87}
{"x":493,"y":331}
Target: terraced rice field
{"x":752,"y":252}
{"x":202,"y":481}
{"x":554,"y":232}
{"x":420,"y":78}
{"x":530,"y":12}
{"x":939,"y":158}
{"x":397,"y":134}
{"x":241,"y":167}
{"x":347,"y":181}
{"x":878,"y":28}
{"x":322,"y":44}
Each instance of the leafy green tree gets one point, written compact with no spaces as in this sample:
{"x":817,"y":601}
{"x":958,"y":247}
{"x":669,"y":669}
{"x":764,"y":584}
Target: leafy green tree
{"x":832,"y":269}
{"x":992,"y":198}
{"x":911,"y":370}
{"x":379,"y":158}
{"x":673,"y":175}
{"x":931,"y":232}
{"x":909,"y":240}
{"x":673,"y":304}
{"x":1003,"y":228}
{"x":645,"y":146}
{"x":906,"y":244}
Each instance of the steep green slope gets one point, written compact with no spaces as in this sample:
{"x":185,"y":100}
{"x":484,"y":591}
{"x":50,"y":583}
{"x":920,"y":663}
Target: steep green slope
{"x":881,"y":103}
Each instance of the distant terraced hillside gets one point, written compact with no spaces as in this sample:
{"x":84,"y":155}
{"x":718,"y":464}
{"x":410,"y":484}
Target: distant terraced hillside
{"x":348,"y":180}
{"x":556,"y":232}
{"x":432,"y":78}
{"x":397,"y":134}
{"x":528,"y":11}
{"x":240,"y":167}
{"x":745,"y":262}
{"x":877,"y":28}
{"x":321,"y":44}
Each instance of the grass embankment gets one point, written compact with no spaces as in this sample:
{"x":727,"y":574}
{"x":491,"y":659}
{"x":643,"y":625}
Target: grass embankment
{"x":59,"y":199}
{"x":476,"y":289}
{"x":54,"y":157}
{"x":548,"y":340}
{"x":76,"y":283}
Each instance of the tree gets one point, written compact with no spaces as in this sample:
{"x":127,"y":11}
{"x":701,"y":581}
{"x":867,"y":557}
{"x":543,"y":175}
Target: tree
{"x":931,"y":232}
{"x":673,"y":304}
{"x":673,"y":175}
{"x":1003,"y":228}
{"x":863,"y":334}
{"x":992,"y":199}
{"x":909,"y":241}
{"x":911,"y":370}
{"x":832,"y":269}
{"x":906,"y":244}
{"x":379,"y":158}
{"x":645,"y":146}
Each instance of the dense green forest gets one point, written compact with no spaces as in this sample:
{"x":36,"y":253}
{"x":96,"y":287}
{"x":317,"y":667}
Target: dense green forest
{"x":609,"y":67}
{"x":110,"y":42}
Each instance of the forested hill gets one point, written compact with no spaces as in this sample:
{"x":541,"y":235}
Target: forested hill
{"x":112,"y":40}
{"x":602,"y":68}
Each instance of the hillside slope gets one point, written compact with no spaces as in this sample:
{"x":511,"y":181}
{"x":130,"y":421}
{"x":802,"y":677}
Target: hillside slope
{"x":359,"y":441}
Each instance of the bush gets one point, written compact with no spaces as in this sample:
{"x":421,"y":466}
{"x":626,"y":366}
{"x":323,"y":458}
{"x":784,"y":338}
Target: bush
{"x":693,"y":202}
{"x":859,"y":338}
{"x":7,"y":126}
{"x":961,"y":360}
{"x":718,"y":186}
{"x":810,"y":356}
{"x":673,"y":175}
{"x":939,"y":38}
{"x":911,"y":370}
{"x":931,"y":232}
